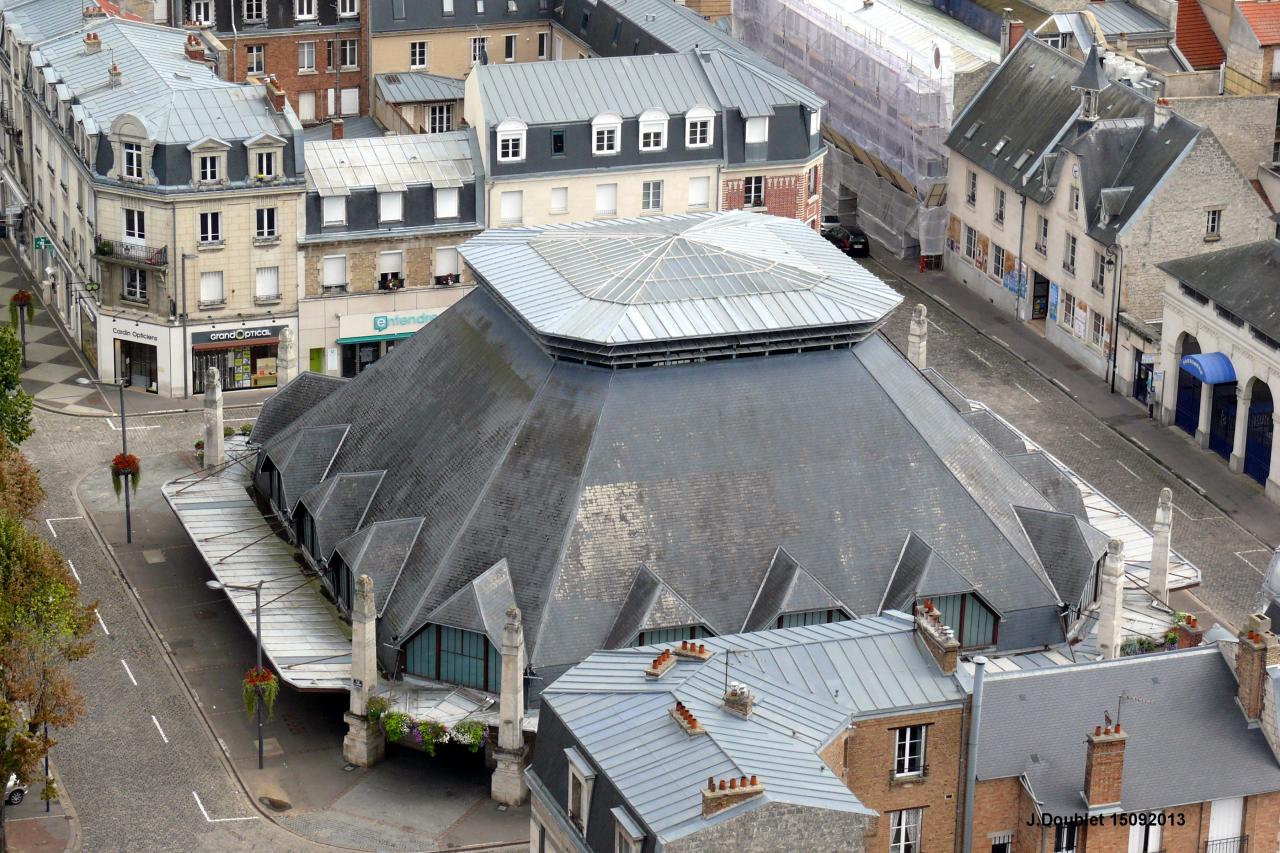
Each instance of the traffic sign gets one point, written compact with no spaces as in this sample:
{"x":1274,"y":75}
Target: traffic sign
{"x":43,"y":243}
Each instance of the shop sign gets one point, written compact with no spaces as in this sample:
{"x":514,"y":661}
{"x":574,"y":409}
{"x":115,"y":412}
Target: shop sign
{"x":133,"y":333}
{"x":386,"y":323}
{"x":236,"y":335}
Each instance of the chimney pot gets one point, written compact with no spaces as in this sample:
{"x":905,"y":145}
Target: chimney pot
{"x":1118,"y":729}
{"x":684,"y":645}
{"x":723,"y":786}
{"x":711,"y":783}
{"x":1107,"y":730}
{"x":1097,"y":731}
{"x":753,"y":781}
{"x":743,"y":781}
{"x":733,"y":784}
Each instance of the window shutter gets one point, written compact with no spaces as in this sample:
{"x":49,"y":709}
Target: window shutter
{"x":335,"y":270}
{"x":446,"y":203}
{"x":391,"y":206}
{"x":699,"y":192}
{"x":512,"y":206}
{"x":446,"y":262}
{"x":267,"y":285}
{"x":211,"y":286}
{"x":606,"y":198}
{"x":390,"y":263}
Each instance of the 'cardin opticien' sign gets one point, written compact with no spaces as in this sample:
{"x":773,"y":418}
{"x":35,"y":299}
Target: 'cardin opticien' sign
{"x":236,"y":335}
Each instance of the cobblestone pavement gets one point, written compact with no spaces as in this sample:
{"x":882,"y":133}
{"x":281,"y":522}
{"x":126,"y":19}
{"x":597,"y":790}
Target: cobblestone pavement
{"x":1231,"y":559}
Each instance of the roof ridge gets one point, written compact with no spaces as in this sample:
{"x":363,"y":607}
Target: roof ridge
{"x":1114,"y":662}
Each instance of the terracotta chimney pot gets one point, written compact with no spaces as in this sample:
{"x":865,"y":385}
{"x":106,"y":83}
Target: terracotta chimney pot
{"x":711,"y":783}
{"x":1097,"y":731}
{"x":753,"y":781}
{"x":1118,"y":729}
{"x":733,"y":784}
{"x":722,"y":785}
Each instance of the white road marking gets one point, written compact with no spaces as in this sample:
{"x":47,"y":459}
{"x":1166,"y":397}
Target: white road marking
{"x":1130,"y":470}
{"x":1000,"y":342}
{"x":100,"y":622}
{"x":1248,"y":562}
{"x":50,"y":521}
{"x":1190,"y":517}
{"x":160,"y":730}
{"x":111,"y":424}
{"x":1090,"y":440}
{"x":218,"y":819}
{"x":936,"y":326}
{"x":1063,"y":388}
{"x":979,"y":358}
{"x":129,"y":673}
{"x":1028,"y":393}
{"x":74,"y":573}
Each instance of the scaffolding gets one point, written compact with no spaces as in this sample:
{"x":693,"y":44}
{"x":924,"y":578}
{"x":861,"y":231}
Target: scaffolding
{"x":887,"y":69}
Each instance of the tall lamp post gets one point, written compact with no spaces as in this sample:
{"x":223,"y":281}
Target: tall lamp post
{"x":124,"y":446}
{"x":257,"y":612}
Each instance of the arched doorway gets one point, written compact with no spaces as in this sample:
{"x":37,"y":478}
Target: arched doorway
{"x":1259,"y":434}
{"x":1187,"y":413}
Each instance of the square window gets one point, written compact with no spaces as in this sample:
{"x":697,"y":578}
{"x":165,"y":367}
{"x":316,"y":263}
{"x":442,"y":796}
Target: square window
{"x":510,"y":146}
{"x":651,"y":196}
{"x":254,"y":10}
{"x":698,"y":133}
{"x":304,"y":10}
{"x":753,"y":191}
{"x":390,"y":207}
{"x":606,"y":139}
{"x":559,"y":199}
{"x":417,"y":54}
{"x":335,"y":272}
{"x":347,"y":8}
{"x":334,"y":210}
{"x":757,"y":130}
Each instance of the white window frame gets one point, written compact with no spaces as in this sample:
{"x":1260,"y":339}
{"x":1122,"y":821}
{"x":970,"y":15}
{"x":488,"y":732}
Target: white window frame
{"x":209,"y":223}
{"x":331,"y":204}
{"x":518,"y":196}
{"x":758,"y":180}
{"x":1065,"y":838}
{"x":511,"y":141}
{"x":1042,"y":228}
{"x":903,"y":825}
{"x":1099,"y":272}
{"x":970,"y":242}
{"x":653,"y":130}
{"x":210,"y":168}
{"x":266,"y":226}
{"x":1068,"y":310}
{"x":132,"y":160}
{"x":446,"y":7}
{"x":628,"y":837}
{"x":651,"y":192}
{"x":578,"y":809}
{"x":348,"y":49}
{"x":563,"y":205}
{"x":1069,"y":248}
{"x":1146,"y":834}
{"x":606,"y":135}
{"x":304,"y":10}
{"x":510,"y":44}
{"x":439,"y":118}
{"x":705,"y":181}
{"x":997,"y":262}
{"x":258,"y":293}
{"x":909,"y":751}
{"x":544,"y":40}
{"x":419,"y":55}
{"x":699,"y":128}
{"x":1097,"y":328}
{"x":815,"y":122}
{"x":255,"y":58}
{"x":135,"y":284}
{"x":391,"y":206}
{"x":306,"y":57}
{"x":324,"y":273}
{"x":255,"y":10}
{"x":1213,"y":223}
{"x":614,"y":211}
{"x":447,"y":200}
{"x":479,"y":47}
{"x":265,"y":163}
{"x":201,"y":11}
{"x":1075,"y":200}
{"x":135,"y":224}
{"x":756,"y":130}
{"x":348,"y":8}
{"x":213,"y":275}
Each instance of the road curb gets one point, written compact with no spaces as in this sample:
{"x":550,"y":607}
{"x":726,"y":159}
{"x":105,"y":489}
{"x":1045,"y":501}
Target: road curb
{"x":1186,"y":481}
{"x":68,"y":810}
{"x":56,"y":411}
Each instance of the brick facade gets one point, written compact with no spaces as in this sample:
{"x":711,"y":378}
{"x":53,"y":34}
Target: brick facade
{"x":785,"y":193}
{"x":281,"y":60}
{"x":1104,"y":766}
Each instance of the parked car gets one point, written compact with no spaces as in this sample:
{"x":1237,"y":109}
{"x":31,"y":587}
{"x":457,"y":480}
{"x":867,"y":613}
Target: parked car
{"x":14,"y":791}
{"x":852,"y":241}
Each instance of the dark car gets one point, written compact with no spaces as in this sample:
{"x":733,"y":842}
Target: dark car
{"x":852,"y":241}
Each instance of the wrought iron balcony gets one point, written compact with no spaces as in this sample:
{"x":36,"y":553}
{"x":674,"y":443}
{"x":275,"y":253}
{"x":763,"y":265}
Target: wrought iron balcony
{"x":134,"y":254}
{"x":1239,"y":844}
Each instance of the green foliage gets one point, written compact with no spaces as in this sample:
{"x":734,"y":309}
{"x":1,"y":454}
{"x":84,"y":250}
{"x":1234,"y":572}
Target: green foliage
{"x":15,"y":404}
{"x":470,"y":733}
{"x":266,"y":680}
{"x":377,"y":707}
{"x":246,"y":428}
{"x":431,"y":734}
{"x":396,"y":725}
{"x":228,"y":431}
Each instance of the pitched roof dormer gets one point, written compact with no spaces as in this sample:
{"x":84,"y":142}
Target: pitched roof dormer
{"x":1090,"y":83}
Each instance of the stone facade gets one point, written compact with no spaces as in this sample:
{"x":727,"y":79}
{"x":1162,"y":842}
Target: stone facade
{"x":362,"y":261}
{"x":1245,"y":125}
{"x":449,"y":50}
{"x":779,"y":826}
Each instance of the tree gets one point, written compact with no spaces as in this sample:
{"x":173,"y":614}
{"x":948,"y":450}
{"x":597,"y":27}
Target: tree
{"x":43,"y":628}
{"x":15,"y":404}
{"x":20,"y":489}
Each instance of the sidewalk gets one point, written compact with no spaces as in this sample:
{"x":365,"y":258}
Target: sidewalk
{"x":1236,"y":495}
{"x":54,"y":364}
{"x":407,"y":802}
{"x":30,"y":829}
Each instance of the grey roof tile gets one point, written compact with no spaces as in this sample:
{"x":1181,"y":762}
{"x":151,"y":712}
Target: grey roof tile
{"x":338,"y":505}
{"x":380,"y":550}
{"x":290,"y":402}
{"x":1244,"y":280}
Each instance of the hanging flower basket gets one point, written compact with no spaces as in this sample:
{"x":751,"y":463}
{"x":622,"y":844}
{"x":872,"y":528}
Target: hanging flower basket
{"x":21,"y":301}
{"x":470,"y":733}
{"x":122,"y":464}
{"x":266,"y":679}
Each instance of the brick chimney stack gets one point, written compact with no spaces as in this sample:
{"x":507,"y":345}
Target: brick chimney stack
{"x":339,"y":128}
{"x":1104,"y":767}
{"x":92,"y":43}
{"x":1256,"y":650}
{"x":938,"y":638}
{"x":194,"y":48}
{"x":1011,"y":32}
{"x":275,"y":95}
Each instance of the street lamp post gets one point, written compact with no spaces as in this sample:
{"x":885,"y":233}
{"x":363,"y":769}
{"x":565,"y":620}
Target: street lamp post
{"x":124,"y":448}
{"x":257,"y":612}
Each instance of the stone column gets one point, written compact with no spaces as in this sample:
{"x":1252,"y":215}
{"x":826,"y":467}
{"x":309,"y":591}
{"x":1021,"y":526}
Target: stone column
{"x":918,"y":337}
{"x":509,"y":786}
{"x":1162,"y":531}
{"x":1111,"y":601}
{"x":1168,"y":385}
{"x":365,"y":743}
{"x":285,"y":357}
{"x":1206,"y":409}
{"x":1244,"y":396}
{"x":1273,"y":476}
{"x":214,"y":453}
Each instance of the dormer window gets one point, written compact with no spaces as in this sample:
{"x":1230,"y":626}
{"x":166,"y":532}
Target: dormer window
{"x":304,"y":10}
{"x":266,"y":164}
{"x":606,"y":132}
{"x":209,"y":171}
{"x":511,"y":138}
{"x":582,"y":777}
{"x":653,"y":131}
{"x":815,"y":122}
{"x":757,"y":130}
{"x":132,"y":168}
{"x":698,"y":128}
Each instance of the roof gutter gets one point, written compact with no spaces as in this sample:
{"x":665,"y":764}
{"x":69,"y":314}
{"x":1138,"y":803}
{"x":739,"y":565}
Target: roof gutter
{"x":971,"y":775}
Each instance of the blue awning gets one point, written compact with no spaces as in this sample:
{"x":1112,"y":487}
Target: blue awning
{"x":1211,"y":368}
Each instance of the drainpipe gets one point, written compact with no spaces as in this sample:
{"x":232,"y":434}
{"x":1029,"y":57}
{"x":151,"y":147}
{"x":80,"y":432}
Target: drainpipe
{"x":1017,"y":270}
{"x":1116,"y":253}
{"x":971,"y":756}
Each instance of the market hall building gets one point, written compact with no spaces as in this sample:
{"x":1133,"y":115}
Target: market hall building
{"x":644,"y":430}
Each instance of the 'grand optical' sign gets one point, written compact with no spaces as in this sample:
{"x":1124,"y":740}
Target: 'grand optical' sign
{"x":238,"y":335}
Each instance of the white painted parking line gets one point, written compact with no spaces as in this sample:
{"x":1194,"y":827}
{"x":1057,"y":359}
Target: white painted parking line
{"x":979,"y":358}
{"x":1249,"y":563}
{"x":1028,"y":393}
{"x":129,"y":673}
{"x":50,"y":521}
{"x":1000,"y":342}
{"x":1130,"y":470}
{"x":1063,"y":388}
{"x":1191,"y":517}
{"x":74,"y":573}
{"x":111,"y":424}
{"x":936,"y":326}
{"x":1090,"y":440}
{"x":218,"y":819}
{"x":160,"y":730}
{"x":100,"y":622}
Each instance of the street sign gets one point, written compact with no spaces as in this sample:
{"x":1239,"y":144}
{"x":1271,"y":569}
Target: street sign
{"x":357,"y":684}
{"x":43,"y":243}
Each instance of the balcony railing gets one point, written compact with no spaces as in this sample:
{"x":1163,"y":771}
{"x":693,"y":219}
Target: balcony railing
{"x":1239,"y":844}
{"x":132,"y":253}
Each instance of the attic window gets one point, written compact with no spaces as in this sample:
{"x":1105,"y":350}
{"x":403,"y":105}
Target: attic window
{"x":973,"y":129}
{"x":999,"y":146}
{"x":1022,"y":159}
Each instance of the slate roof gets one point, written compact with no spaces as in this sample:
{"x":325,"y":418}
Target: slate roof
{"x":1122,"y":149}
{"x":661,"y":279}
{"x":291,"y":401}
{"x":416,"y":87}
{"x":553,"y":92}
{"x":1196,"y":39}
{"x":1069,"y":548}
{"x":1049,"y":481}
{"x":807,"y":683}
{"x":180,"y":101}
{"x":1244,"y":280}
{"x":1264,"y":19}
{"x":1034,"y":723}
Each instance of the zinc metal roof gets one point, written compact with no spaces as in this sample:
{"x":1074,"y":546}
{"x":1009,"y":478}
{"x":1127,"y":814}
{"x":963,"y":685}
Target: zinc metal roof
{"x":550,"y":92}
{"x":415,"y":87}
{"x":672,"y":277}
{"x":807,"y":683}
{"x":336,"y":166}
{"x":1117,"y":17}
{"x":36,"y":20}
{"x":178,"y":100}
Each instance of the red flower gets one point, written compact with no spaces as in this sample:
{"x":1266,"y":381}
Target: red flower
{"x":259,"y":675}
{"x":22,"y":297}
{"x":124,"y":463}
